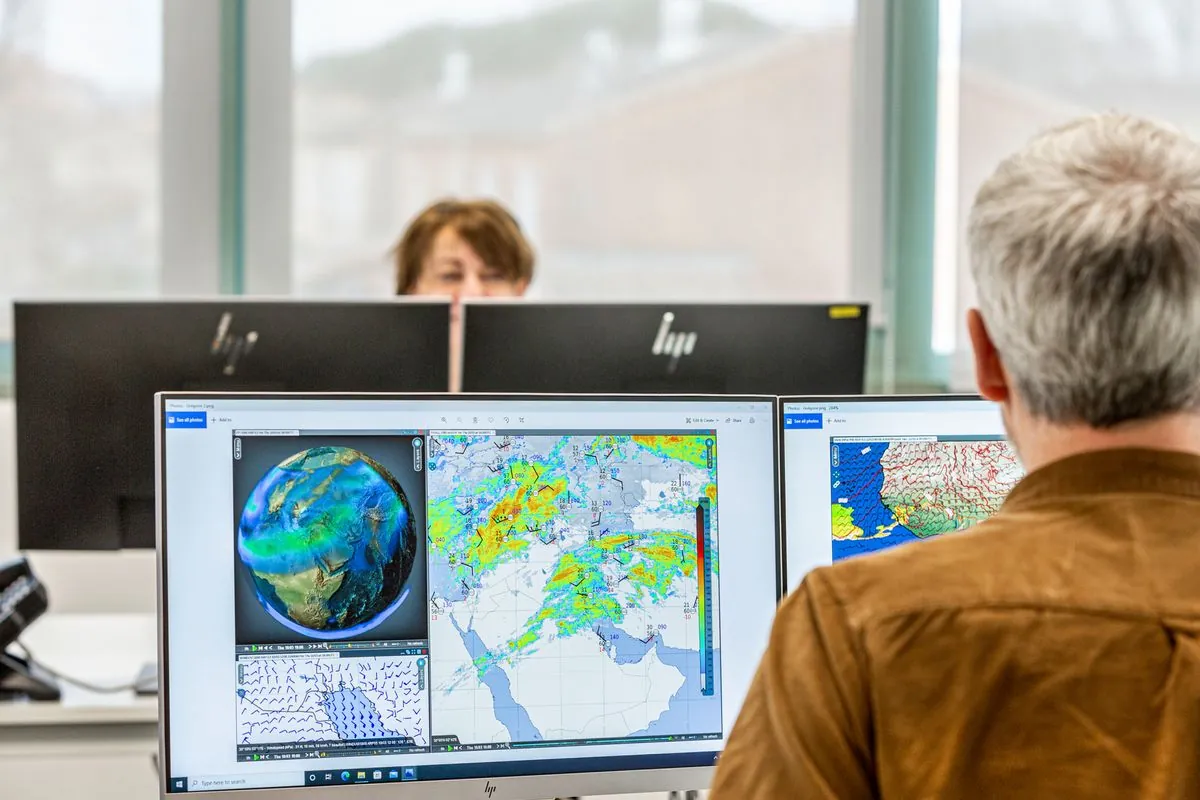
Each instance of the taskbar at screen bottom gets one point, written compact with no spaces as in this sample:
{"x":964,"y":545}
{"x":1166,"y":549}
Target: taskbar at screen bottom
{"x":377,"y":748}
{"x":443,"y":772}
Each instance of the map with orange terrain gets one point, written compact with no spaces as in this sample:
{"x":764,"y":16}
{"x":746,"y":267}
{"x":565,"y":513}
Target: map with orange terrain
{"x":887,"y":492}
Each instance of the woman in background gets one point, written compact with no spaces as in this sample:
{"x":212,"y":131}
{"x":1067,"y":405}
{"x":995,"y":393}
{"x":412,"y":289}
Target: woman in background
{"x":463,"y":249}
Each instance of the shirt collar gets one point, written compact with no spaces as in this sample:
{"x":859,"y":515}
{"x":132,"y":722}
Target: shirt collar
{"x":1116,"y":471}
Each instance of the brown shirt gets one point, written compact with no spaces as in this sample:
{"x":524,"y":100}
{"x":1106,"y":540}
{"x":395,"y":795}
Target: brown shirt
{"x":1052,"y":652}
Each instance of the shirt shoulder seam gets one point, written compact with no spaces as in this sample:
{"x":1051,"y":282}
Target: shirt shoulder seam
{"x":1114,"y":612}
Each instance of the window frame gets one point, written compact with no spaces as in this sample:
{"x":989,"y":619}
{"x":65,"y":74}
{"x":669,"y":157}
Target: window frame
{"x":889,"y":267}
{"x":190,"y":176}
{"x":189,"y":159}
{"x":226,"y":167}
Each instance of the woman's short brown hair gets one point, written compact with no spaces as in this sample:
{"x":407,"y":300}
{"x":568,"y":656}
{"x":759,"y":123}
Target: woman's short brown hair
{"x":488,"y":227}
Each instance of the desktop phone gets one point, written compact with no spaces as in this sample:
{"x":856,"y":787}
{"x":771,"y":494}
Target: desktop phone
{"x":22,"y":600}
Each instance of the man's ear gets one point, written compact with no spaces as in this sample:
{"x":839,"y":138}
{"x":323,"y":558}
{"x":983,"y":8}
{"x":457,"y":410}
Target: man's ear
{"x":989,"y":371}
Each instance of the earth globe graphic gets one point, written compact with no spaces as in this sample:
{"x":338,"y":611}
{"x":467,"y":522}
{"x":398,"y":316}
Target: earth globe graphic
{"x":328,"y":539}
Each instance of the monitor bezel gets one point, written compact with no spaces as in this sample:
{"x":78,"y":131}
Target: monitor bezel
{"x":519,"y":787}
{"x":785,"y":400}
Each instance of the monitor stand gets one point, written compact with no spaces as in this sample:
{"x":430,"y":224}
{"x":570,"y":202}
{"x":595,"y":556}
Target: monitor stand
{"x":22,"y":680}
{"x":146,"y":682}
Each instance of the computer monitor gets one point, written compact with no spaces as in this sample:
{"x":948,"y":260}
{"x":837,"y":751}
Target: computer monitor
{"x":517,"y":346}
{"x":86,"y":374}
{"x":509,"y":597}
{"x":863,"y":474}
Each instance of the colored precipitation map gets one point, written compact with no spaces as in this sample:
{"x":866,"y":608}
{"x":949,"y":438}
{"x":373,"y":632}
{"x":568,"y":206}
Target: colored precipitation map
{"x":565,"y":586}
{"x":887,"y":493}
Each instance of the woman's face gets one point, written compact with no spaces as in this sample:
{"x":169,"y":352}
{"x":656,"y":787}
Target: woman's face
{"x":453,"y":268}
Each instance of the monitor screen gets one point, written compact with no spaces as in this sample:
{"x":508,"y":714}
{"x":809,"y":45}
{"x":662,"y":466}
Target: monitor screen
{"x":864,"y":474}
{"x":541,"y":596}
{"x":86,"y":374}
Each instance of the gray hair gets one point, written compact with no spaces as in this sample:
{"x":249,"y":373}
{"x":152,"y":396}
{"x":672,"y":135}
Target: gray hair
{"x":1085,"y":248}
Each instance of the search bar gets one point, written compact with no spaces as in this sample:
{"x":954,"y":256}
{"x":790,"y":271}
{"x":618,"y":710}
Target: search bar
{"x":270,"y":780}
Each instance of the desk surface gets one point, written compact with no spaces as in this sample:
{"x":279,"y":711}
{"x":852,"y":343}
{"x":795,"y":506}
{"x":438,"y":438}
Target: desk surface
{"x":103,"y":649}
{"x":141,"y":710}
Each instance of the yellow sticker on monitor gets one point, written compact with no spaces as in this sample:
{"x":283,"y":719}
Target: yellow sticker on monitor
{"x":845,"y":312}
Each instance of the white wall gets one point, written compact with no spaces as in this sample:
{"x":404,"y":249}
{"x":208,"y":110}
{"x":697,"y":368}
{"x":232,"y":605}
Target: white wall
{"x":78,"y":582}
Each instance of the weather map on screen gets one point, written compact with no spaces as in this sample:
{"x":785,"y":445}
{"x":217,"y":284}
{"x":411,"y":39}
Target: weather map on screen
{"x":325,"y":698}
{"x":573,"y":586}
{"x":888,"y":491}
{"x":523,"y":593}
{"x":328,"y":538}
{"x":332,"y":651}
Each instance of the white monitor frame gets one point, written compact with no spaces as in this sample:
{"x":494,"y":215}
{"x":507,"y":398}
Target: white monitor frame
{"x":617,"y":780}
{"x":795,"y":564}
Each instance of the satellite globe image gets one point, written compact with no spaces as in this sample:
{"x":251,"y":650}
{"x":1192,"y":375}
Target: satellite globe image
{"x":328,"y":538}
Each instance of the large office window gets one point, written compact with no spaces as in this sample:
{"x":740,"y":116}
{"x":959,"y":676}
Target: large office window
{"x":1024,"y":65}
{"x":692,"y":149}
{"x":80,"y":84}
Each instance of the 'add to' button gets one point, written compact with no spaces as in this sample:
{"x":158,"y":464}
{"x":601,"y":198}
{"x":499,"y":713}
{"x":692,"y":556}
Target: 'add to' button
{"x":188,"y":419}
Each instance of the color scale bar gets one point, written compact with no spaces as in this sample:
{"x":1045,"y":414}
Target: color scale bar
{"x":706,"y":601}
{"x":700,"y":596}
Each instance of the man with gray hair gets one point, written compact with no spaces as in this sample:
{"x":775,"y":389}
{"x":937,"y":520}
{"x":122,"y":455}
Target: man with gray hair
{"x":1053,"y":651}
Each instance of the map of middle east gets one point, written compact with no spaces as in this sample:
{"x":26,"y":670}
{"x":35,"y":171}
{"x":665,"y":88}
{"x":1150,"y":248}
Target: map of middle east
{"x":572,"y":576}
{"x":886,"y":493}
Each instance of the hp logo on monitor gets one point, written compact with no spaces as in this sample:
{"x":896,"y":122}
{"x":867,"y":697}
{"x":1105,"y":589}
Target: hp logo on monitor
{"x":489,"y":789}
{"x":673,"y":344}
{"x":230,"y":345}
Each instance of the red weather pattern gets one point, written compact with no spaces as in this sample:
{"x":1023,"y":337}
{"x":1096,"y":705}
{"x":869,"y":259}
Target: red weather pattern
{"x":887,"y":493}
{"x":937,"y":487}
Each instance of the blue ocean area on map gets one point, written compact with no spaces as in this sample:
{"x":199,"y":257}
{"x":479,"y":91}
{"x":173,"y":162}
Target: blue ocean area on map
{"x":511,"y":714}
{"x":858,"y":485}
{"x":354,"y":716}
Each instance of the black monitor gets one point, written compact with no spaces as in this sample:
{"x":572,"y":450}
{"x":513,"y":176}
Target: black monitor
{"x":86,"y":374}
{"x":776,"y":349}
